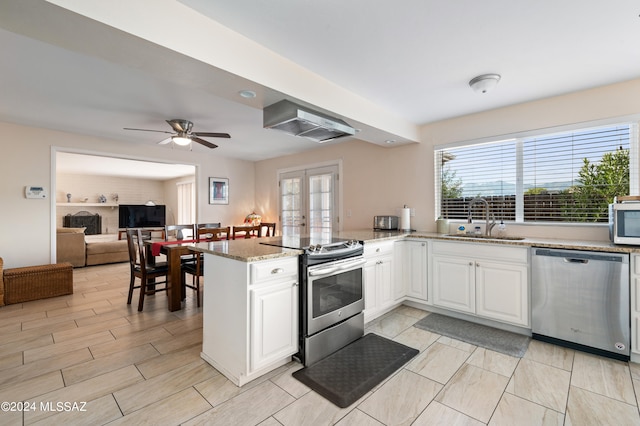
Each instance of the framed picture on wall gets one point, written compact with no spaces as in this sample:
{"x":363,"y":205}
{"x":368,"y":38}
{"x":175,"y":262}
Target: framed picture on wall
{"x":218,"y":190}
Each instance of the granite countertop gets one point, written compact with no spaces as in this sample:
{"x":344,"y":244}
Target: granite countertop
{"x":246,"y":250}
{"x":372,"y":236}
{"x":252,"y":250}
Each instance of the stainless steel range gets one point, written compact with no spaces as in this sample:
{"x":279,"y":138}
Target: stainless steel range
{"x":331,"y":294}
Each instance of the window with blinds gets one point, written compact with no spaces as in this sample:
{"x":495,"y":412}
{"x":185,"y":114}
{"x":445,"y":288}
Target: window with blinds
{"x":560,"y":177}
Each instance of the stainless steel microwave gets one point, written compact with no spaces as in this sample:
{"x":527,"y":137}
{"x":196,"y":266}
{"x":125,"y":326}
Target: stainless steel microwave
{"x":624,"y":223}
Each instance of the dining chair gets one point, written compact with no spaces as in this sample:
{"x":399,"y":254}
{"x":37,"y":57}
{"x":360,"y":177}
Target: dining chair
{"x":215,"y":233}
{"x":246,"y":231}
{"x":208,"y":225}
{"x":142,"y":269}
{"x":179,"y":232}
{"x":270,"y":229}
{"x":196,"y":270}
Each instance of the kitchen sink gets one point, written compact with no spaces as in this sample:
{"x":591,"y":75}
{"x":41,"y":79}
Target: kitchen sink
{"x":486,"y":237}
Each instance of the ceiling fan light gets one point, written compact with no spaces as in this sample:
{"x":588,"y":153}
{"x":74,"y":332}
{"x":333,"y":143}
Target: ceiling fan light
{"x":484,"y":83}
{"x":181,"y":140}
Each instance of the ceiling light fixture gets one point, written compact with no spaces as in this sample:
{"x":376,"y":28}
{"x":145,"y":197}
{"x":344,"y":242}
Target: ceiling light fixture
{"x":247,"y":94}
{"x":484,"y":83}
{"x":181,"y":140}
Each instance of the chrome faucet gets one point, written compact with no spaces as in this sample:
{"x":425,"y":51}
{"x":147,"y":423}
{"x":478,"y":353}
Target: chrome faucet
{"x":488,"y":226}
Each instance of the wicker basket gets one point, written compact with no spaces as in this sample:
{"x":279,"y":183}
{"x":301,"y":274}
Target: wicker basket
{"x":37,"y":282}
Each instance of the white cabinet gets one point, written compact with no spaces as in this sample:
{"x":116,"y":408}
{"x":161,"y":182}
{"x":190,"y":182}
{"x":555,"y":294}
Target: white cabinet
{"x":250,"y":315}
{"x":635,"y":307}
{"x":454,"y":283}
{"x":482,"y":279}
{"x":274,"y":319}
{"x":411,"y":263}
{"x":502,"y":291}
{"x":378,"y":279}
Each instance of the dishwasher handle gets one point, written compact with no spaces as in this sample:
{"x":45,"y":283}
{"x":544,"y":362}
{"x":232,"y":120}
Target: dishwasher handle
{"x":574,"y":260}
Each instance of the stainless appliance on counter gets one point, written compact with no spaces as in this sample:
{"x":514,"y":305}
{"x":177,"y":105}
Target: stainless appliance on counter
{"x":580,"y":299}
{"x":331,"y":294}
{"x":624,"y":220}
{"x":385,"y":223}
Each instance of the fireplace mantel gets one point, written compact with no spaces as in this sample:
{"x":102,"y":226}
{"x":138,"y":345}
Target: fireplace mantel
{"x":112,"y":205}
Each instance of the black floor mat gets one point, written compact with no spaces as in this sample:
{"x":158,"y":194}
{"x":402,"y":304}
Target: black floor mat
{"x":346,"y":375}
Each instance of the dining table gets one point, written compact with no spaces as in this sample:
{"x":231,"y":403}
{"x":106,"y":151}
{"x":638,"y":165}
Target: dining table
{"x":173,"y":250}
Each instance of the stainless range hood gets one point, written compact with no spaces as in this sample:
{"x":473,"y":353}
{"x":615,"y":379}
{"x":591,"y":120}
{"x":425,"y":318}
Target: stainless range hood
{"x":302,"y":121}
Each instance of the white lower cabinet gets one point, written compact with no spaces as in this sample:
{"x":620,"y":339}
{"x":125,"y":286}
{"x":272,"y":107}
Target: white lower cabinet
{"x":411,"y":265}
{"x":250,"y":315}
{"x":467,"y":277}
{"x":378,"y":279}
{"x":502,"y":292}
{"x":454,"y":284}
{"x":274,"y":319}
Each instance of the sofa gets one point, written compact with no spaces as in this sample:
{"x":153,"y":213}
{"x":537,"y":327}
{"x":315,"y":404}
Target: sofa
{"x":70,"y":246}
{"x":74,"y":247}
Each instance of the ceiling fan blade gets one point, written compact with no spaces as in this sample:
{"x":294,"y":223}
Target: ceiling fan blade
{"x":203,"y":142}
{"x":147,"y":130}
{"x":164,"y":141}
{"x":211,"y":135}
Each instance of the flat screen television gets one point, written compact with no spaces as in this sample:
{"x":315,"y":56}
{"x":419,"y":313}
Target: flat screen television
{"x":141,"y":216}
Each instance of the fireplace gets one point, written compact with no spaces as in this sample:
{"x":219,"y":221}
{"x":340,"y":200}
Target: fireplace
{"x":92,"y":222}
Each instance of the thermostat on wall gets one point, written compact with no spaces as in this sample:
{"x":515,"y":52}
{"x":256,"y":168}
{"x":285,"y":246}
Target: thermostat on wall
{"x":35,"y":192}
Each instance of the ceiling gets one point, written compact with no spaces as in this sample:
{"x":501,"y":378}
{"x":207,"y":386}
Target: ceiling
{"x":411,"y":59}
{"x":81,"y":164}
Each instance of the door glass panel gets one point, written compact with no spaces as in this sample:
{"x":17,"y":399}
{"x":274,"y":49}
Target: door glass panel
{"x":308,"y":202}
{"x":291,"y":213}
{"x":320,"y":203}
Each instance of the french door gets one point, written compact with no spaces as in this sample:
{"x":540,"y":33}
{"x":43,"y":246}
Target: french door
{"x":309,"y":202}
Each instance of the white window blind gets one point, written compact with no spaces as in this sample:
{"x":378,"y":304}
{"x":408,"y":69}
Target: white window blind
{"x":562,"y":177}
{"x":186,"y":202}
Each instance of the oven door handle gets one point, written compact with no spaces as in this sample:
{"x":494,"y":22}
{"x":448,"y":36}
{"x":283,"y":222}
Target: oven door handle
{"x":352,"y":264}
{"x":319,"y":272}
{"x":332,"y":269}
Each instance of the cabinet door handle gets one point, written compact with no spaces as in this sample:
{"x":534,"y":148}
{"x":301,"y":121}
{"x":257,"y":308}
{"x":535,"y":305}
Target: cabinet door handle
{"x":477,"y":264}
{"x":378,"y":250}
{"x":470,"y":263}
{"x":277,"y":271}
{"x":295,"y":284}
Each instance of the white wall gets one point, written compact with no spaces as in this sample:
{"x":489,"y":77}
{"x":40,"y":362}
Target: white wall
{"x":27,"y":226}
{"x":376,"y":181}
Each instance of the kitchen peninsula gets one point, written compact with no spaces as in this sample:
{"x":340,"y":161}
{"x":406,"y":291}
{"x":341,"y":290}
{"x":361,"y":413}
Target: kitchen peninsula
{"x":250,"y":302}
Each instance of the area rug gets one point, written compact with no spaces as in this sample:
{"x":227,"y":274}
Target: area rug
{"x":497,"y":340}
{"x":346,"y":375}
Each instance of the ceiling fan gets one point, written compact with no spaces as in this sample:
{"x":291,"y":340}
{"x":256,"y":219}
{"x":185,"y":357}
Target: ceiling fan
{"x":182,"y":134}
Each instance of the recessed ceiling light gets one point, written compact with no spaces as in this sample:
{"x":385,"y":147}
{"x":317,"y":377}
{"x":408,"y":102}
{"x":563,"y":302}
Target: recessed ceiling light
{"x":247,"y":94}
{"x":390,"y":141}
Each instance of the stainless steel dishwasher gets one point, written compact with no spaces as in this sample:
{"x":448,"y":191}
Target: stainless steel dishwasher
{"x":580,"y":299}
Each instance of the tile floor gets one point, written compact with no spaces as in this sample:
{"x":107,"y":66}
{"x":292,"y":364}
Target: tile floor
{"x":144,"y":368}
